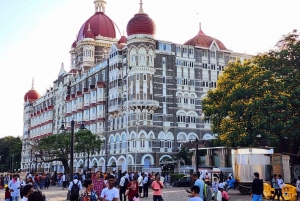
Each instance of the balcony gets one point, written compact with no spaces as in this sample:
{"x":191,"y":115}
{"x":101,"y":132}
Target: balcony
{"x":151,"y":104}
{"x":115,"y":108}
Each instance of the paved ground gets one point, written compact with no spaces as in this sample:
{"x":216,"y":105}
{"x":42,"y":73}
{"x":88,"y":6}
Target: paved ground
{"x":170,"y":194}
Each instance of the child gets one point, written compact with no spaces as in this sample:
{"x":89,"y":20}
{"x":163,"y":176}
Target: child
{"x":225,"y":196}
{"x":195,"y":194}
{"x":7,"y":194}
{"x":136,"y":197}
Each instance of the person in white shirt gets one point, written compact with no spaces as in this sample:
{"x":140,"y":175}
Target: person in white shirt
{"x":110,"y":193}
{"x":63,"y":178}
{"x":140,"y":182}
{"x":75,"y":181}
{"x":14,"y":187}
{"x":27,"y":190}
{"x":123,"y":187}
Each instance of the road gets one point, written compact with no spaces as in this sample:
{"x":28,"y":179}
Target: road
{"x":170,"y":194}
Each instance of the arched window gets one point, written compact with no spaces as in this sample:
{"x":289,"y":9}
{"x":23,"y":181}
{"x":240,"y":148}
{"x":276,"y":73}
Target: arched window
{"x":111,"y":143}
{"x":118,"y":142}
{"x":123,"y":142}
{"x":142,"y":141}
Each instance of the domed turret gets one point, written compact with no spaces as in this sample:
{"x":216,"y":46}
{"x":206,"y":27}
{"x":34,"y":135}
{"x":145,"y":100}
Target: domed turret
{"x":202,"y":40}
{"x":88,"y":33}
{"x":123,"y":40}
{"x":32,"y":94}
{"x":141,"y":23}
{"x":74,"y":45}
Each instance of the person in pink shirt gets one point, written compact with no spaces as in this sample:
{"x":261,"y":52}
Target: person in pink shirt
{"x":157,"y":187}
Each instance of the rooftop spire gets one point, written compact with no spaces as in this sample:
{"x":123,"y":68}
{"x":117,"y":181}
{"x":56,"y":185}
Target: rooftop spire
{"x":32,"y":87}
{"x":141,"y":7}
{"x":200,"y":26}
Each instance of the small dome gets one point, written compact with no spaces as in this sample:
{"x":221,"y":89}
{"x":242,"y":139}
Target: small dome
{"x":74,"y":45}
{"x":141,"y":23}
{"x":89,"y":34}
{"x":203,"y":40}
{"x":123,"y":39}
{"x":31,"y":95}
{"x":99,"y":24}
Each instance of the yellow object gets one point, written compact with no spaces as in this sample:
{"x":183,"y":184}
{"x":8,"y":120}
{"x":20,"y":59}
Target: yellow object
{"x":289,"y":192}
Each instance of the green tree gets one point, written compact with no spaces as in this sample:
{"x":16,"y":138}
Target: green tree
{"x":184,"y":154}
{"x":259,"y":99}
{"x":284,"y":64}
{"x":87,"y":142}
{"x":10,"y":148}
{"x":53,"y":148}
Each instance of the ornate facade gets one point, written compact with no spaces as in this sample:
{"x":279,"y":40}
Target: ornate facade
{"x":140,"y":94}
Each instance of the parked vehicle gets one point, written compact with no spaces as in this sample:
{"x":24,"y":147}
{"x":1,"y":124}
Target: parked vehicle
{"x":246,"y":161}
{"x":185,"y":181}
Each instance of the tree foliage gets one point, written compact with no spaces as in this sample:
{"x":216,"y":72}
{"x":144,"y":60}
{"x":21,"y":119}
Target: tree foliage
{"x":259,"y":98}
{"x":87,"y":142}
{"x":53,"y":148}
{"x":10,"y":147}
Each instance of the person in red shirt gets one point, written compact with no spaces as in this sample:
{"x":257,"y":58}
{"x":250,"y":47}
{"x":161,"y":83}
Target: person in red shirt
{"x":133,"y":188}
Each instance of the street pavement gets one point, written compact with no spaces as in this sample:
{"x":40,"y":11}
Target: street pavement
{"x":170,"y":194}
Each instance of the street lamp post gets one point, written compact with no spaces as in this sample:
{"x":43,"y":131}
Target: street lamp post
{"x":197,"y":157}
{"x":72,"y":145}
{"x":72,"y":149}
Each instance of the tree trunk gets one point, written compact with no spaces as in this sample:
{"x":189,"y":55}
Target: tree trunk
{"x":66,"y":165}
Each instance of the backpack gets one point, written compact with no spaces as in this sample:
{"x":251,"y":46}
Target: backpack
{"x":126,"y":182}
{"x":75,"y":190}
{"x":207,"y":193}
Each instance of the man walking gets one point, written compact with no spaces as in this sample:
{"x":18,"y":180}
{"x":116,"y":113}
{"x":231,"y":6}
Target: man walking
{"x":99,"y":184}
{"x":123,"y":185}
{"x":257,"y":188}
{"x":157,"y":187}
{"x":140,"y":182}
{"x":146,"y":182}
{"x":74,"y":188}
{"x":110,"y":193}
{"x":14,"y":187}
{"x":200,"y":184}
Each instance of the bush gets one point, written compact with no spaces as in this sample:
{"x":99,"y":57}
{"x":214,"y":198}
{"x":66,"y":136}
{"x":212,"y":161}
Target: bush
{"x":176,"y":177}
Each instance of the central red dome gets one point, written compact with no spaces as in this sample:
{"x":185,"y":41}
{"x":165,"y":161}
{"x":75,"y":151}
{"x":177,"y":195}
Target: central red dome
{"x":99,"y":24}
{"x":141,"y":23}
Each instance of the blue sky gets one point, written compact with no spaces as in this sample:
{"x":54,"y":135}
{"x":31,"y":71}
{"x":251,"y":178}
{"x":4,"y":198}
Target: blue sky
{"x":36,"y":35}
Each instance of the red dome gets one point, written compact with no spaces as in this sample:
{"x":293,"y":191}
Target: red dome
{"x":31,"y":95}
{"x":203,"y":40}
{"x":89,"y":34}
{"x":123,"y":39}
{"x":74,"y":44}
{"x":100,"y":24}
{"x":141,"y":23}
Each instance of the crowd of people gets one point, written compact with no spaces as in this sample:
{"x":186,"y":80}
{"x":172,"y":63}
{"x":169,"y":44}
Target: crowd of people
{"x":133,"y":186}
